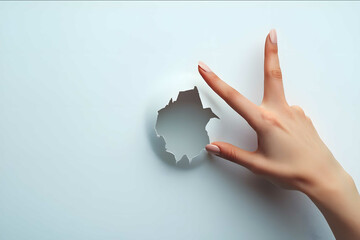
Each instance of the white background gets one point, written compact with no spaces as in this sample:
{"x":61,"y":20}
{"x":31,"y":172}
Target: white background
{"x":80,"y":86}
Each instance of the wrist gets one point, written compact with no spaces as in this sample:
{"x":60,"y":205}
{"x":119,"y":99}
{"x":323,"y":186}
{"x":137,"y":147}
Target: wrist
{"x":338,"y":200}
{"x":332,"y":189}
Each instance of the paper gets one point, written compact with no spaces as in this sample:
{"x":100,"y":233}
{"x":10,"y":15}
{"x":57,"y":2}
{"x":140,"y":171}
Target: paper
{"x":182,"y":125}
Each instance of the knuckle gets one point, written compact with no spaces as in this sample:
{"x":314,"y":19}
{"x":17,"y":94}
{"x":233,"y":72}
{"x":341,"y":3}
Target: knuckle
{"x":269,"y":117}
{"x":231,"y":154}
{"x":298,"y":109}
{"x":271,"y":121}
{"x":272,"y":50}
{"x":274,"y":73}
{"x":264,"y":113}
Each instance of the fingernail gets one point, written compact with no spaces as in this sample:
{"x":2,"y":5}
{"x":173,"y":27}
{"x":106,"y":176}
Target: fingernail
{"x":212,"y":149}
{"x":204,"y":67}
{"x":273,"y":36}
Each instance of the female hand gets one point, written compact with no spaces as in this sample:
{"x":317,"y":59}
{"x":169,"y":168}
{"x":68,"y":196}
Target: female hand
{"x":290,"y":152}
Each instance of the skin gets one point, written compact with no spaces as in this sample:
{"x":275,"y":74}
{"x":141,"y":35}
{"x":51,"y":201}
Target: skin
{"x":290,"y":152}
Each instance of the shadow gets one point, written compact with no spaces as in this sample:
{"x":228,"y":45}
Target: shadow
{"x":288,"y":208}
{"x":241,"y":177}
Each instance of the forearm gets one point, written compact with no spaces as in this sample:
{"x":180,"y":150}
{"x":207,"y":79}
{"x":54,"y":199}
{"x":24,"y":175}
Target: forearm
{"x":338,"y":200}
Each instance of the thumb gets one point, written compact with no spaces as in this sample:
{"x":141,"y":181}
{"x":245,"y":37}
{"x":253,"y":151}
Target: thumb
{"x":250,"y":160}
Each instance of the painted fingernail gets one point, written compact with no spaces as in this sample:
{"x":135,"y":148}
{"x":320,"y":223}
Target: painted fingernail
{"x":273,"y":36}
{"x":204,"y":67}
{"x":212,"y":149}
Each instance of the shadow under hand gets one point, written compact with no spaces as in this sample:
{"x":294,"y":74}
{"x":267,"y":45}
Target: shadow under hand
{"x":288,"y":208}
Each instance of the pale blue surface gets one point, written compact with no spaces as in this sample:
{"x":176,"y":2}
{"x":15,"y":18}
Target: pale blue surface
{"x":80,"y":84}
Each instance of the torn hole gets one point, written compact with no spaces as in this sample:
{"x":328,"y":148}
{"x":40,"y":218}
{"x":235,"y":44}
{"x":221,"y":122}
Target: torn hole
{"x":182,"y":124}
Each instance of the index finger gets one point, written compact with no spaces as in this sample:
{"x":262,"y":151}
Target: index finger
{"x":247,"y":109}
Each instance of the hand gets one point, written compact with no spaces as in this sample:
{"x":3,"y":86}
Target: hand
{"x":290,"y":152}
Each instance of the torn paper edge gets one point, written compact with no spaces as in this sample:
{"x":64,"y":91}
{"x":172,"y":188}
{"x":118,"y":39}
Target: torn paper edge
{"x":160,"y":136}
